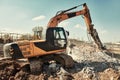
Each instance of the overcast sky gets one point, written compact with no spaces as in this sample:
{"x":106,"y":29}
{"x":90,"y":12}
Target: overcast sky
{"x":22,"y":15}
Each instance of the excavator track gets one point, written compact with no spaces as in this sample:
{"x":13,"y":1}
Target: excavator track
{"x":35,"y":65}
{"x":65,"y":60}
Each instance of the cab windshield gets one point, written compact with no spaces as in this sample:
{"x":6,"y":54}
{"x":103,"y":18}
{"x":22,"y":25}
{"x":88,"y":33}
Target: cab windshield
{"x":59,"y":34}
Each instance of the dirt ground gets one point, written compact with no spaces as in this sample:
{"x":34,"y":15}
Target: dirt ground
{"x":10,"y":70}
{"x":89,"y":65}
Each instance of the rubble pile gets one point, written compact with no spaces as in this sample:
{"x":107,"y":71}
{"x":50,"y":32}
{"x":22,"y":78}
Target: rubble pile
{"x":109,"y":74}
{"x":88,"y":54}
{"x":90,"y":64}
{"x":89,"y":74}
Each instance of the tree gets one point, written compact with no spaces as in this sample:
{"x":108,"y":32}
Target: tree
{"x":37,"y":32}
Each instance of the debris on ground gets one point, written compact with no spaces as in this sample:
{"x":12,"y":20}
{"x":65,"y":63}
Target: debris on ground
{"x":90,"y":64}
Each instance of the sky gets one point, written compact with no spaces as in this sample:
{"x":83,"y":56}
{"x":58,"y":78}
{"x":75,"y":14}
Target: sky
{"x":21,"y":16}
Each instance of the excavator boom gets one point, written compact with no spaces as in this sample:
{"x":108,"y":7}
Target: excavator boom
{"x":63,"y":15}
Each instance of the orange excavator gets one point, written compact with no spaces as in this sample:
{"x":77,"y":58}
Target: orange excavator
{"x":39,"y":52}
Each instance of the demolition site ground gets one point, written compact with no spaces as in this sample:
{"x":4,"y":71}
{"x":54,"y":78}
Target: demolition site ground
{"x":90,"y":64}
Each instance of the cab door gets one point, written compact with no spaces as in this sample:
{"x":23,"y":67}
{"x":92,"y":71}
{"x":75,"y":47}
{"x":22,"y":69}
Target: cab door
{"x":60,"y":40}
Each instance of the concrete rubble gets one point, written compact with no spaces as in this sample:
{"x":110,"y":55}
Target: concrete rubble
{"x":90,"y":64}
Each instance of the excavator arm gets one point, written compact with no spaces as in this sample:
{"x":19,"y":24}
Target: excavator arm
{"x":90,"y":28}
{"x":63,"y":15}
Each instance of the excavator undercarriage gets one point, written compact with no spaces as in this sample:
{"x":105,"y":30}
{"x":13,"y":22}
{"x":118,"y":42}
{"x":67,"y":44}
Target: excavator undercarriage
{"x":37,"y":63}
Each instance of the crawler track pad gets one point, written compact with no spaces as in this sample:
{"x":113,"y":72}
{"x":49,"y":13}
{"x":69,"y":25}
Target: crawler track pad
{"x":65,"y":60}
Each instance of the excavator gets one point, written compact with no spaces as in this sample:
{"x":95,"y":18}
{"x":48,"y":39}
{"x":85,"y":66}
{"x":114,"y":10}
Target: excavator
{"x":39,"y":52}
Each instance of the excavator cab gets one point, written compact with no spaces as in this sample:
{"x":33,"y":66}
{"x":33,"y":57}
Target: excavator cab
{"x":57,"y":37}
